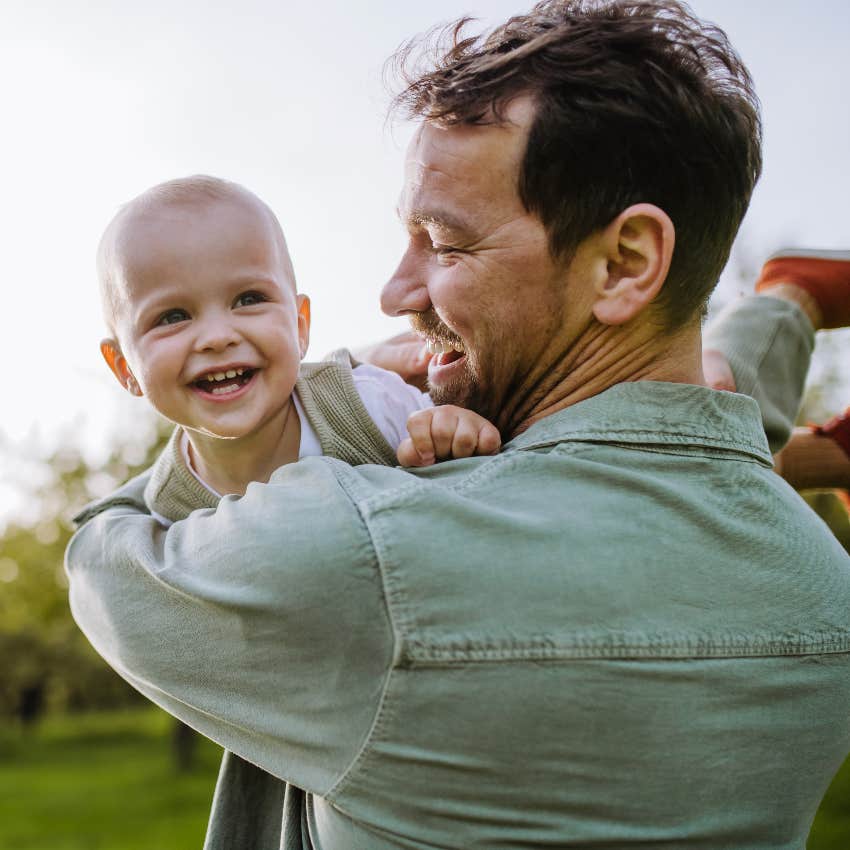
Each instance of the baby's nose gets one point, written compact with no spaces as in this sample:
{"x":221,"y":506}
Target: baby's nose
{"x":216,"y":334}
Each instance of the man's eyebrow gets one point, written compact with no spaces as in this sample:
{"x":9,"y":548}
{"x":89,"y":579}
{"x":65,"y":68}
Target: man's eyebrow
{"x":441,"y":219}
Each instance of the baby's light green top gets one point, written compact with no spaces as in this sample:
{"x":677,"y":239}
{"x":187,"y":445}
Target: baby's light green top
{"x":623,"y":631}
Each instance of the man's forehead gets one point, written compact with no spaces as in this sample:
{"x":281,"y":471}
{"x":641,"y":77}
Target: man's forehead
{"x":502,"y":139}
{"x":449,"y":168}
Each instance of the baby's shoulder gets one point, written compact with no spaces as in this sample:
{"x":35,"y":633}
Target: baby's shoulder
{"x":388,"y":400}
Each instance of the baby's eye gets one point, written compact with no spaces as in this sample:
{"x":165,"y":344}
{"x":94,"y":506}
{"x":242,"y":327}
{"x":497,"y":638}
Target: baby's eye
{"x":247,"y":299}
{"x":172,"y":317}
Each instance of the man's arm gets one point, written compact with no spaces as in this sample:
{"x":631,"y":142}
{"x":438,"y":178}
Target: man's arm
{"x":768,"y":343}
{"x":261,"y":624}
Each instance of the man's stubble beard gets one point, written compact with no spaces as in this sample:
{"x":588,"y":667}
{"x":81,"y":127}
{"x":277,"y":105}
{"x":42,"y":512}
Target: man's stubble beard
{"x":464,"y":390}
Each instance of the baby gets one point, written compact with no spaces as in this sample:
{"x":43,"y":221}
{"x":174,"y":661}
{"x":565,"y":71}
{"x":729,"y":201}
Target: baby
{"x":205,"y":321}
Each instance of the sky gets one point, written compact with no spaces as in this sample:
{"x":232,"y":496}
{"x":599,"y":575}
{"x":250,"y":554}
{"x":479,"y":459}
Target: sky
{"x":103,"y":99}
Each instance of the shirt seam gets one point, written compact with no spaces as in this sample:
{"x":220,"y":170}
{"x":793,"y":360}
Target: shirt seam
{"x":383,"y":714}
{"x":621,"y":438}
{"x":421,"y":654}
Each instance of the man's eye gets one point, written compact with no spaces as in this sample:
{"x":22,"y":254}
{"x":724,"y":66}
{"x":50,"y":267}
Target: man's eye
{"x":247,"y":299}
{"x":445,"y":254}
{"x":172,"y":317}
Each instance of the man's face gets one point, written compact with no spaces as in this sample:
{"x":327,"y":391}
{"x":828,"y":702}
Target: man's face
{"x":477,"y":279}
{"x":207,"y":316}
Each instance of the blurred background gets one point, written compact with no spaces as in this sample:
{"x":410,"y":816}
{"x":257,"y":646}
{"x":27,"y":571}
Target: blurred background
{"x":103,"y":99}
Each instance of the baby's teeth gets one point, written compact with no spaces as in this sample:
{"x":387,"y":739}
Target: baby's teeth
{"x":240,"y":371}
{"x":219,"y":376}
{"x":231,"y":373}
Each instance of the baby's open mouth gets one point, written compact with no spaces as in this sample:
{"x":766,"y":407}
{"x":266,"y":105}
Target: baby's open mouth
{"x":222,"y":383}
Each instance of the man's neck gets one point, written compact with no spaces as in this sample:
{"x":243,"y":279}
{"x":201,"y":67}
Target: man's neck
{"x":602,"y":356}
{"x":229,"y":466}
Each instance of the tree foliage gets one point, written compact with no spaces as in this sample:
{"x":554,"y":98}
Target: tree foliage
{"x":45,"y":660}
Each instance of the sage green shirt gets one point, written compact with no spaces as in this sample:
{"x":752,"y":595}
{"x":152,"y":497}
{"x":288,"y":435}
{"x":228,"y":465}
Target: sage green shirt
{"x":623,"y":631}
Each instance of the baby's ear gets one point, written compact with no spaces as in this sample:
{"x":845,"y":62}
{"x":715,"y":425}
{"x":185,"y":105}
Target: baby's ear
{"x":111,"y":352}
{"x":303,"y":303}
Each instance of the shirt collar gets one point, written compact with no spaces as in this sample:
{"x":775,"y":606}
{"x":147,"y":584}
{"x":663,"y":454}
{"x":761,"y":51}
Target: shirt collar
{"x":656,"y":413}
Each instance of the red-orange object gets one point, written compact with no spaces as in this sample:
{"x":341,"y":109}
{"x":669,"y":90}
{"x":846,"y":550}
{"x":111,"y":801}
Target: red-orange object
{"x":825,"y":275}
{"x":838,"y":429}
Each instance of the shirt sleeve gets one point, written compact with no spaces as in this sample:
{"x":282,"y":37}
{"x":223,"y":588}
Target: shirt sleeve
{"x":388,"y":400}
{"x":262,"y":623}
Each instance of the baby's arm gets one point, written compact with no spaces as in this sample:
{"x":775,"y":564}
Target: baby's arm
{"x":440,"y":433}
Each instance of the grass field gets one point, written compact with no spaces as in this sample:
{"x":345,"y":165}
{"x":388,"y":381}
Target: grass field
{"x":831,"y":830}
{"x":107,"y":782}
{"x":102,"y":782}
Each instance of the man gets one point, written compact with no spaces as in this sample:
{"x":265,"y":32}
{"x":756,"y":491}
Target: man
{"x":623,"y":630}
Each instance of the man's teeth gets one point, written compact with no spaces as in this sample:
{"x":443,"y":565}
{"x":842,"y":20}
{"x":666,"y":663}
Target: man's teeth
{"x":438,"y":346}
{"x":223,"y":376}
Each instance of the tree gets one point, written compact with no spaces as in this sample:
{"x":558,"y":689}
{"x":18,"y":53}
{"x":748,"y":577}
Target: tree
{"x":47,"y":663}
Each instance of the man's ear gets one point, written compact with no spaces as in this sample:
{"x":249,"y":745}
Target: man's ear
{"x":111,"y":352}
{"x":303,"y":303}
{"x":639,"y":247}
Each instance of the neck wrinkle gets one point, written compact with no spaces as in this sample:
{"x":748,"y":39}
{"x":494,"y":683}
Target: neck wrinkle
{"x":602,"y":356}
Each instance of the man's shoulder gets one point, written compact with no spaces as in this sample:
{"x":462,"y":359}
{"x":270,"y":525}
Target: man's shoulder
{"x":659,"y":550}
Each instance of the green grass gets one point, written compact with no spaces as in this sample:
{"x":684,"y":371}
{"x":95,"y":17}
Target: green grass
{"x":107,"y":782}
{"x":102,"y":782}
{"x":831,"y":829}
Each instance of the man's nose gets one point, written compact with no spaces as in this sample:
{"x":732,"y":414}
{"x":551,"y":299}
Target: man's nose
{"x":216,"y":333}
{"x":407,"y":290}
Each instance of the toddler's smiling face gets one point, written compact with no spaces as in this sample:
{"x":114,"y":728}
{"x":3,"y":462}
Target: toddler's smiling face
{"x":208,"y":324}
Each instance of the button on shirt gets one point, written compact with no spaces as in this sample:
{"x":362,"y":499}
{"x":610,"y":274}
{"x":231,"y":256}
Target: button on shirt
{"x":624,"y":630}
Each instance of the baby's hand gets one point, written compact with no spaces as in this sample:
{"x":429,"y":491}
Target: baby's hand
{"x":438,"y":433}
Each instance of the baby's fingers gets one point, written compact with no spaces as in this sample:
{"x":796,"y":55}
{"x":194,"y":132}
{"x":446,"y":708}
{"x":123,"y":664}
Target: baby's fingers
{"x":419,"y":447}
{"x":475,"y":436}
{"x":466,"y":437}
{"x":408,"y":456}
{"x":489,"y":439}
{"x":449,"y":430}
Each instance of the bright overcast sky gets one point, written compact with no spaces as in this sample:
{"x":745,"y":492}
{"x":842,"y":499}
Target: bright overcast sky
{"x":102,"y":99}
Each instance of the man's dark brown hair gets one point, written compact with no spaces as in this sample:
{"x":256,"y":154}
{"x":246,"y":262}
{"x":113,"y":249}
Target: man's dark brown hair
{"x":636,"y":102}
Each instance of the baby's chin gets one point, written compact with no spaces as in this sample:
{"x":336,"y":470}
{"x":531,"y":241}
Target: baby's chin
{"x":209,"y":431}
{"x":239,"y":425}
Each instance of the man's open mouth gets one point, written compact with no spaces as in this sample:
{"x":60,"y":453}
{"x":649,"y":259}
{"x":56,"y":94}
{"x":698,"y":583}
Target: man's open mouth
{"x":224,"y":383}
{"x":445,"y":351}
